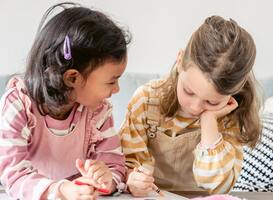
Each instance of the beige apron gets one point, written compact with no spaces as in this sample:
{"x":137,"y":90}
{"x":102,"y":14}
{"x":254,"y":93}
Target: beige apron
{"x":173,"y":154}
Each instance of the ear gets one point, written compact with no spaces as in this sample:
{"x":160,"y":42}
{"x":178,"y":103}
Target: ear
{"x":72,"y":78}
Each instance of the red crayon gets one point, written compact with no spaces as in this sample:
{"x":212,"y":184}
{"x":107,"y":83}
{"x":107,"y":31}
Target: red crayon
{"x":105,"y":191}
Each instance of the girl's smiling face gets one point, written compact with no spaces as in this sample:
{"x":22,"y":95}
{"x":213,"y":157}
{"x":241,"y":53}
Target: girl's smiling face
{"x":197,"y":94}
{"x":100,"y":84}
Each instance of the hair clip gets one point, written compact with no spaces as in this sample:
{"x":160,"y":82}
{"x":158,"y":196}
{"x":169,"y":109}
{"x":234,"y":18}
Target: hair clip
{"x":67,"y":49}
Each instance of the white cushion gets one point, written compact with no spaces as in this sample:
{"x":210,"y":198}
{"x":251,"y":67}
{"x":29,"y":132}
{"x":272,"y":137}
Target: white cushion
{"x":268,"y":106}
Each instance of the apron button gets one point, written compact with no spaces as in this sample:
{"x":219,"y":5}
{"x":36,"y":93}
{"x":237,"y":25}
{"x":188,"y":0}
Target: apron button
{"x":151,"y":135}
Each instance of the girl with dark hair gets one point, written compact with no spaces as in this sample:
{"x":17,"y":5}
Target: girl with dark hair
{"x":188,"y":129}
{"x":57,"y":115}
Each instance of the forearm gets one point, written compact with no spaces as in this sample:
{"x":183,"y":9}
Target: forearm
{"x":19,"y":176}
{"x":209,"y":131}
{"x":24,"y":187}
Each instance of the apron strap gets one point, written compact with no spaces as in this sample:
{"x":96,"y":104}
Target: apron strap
{"x":153,"y":113}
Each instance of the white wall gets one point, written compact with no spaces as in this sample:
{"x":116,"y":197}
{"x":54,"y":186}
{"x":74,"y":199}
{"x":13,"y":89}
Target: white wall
{"x":159,"y":28}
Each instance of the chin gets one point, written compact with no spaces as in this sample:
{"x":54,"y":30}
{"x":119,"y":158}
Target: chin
{"x":96,"y":105}
{"x":195,"y":116}
{"x":92,"y":106}
{"x":190,"y":115}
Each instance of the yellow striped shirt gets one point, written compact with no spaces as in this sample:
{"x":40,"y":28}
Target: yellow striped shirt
{"x":215,"y":169}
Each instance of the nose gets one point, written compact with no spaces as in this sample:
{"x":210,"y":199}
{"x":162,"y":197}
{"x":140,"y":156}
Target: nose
{"x":115,"y":88}
{"x":196,"y":106}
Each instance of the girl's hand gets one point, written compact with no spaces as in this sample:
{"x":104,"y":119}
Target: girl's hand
{"x":209,"y":126}
{"x":140,"y":183}
{"x":228,"y":108}
{"x":68,"y":190}
{"x":99,"y":174}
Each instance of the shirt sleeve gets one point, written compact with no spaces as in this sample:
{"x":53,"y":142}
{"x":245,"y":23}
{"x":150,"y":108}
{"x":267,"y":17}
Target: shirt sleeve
{"x":133,"y":133}
{"x":109,"y":151}
{"x":217,"y":169}
{"x":20,"y":179}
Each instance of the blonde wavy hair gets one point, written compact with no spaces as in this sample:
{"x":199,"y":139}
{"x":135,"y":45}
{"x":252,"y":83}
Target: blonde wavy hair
{"x":225,"y":53}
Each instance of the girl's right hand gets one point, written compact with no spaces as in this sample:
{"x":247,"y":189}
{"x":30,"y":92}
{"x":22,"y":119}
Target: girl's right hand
{"x":70,"y":191}
{"x":140,"y":184}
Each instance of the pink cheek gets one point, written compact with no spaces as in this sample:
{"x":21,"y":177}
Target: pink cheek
{"x":185,"y":102}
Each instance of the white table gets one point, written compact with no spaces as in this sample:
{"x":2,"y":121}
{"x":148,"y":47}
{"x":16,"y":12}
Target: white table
{"x":168,"y":196}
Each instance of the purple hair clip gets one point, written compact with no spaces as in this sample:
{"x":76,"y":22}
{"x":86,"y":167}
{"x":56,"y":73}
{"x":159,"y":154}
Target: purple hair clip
{"x":67,"y":49}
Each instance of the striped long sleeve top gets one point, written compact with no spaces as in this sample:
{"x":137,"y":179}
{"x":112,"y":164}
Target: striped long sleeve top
{"x":37,"y":150}
{"x":214,"y":170}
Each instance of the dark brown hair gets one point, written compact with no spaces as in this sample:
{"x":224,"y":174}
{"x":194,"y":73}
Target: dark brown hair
{"x":94,"y":39}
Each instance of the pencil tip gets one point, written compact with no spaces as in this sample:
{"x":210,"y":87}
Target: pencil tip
{"x":161,"y":194}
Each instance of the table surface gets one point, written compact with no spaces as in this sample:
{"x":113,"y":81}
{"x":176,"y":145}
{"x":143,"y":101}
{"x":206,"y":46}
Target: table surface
{"x":192,"y":194}
{"x":242,"y":195}
{"x":153,"y":196}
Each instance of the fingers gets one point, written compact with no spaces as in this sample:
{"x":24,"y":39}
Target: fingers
{"x":143,"y":178}
{"x":70,"y":190}
{"x":89,"y":181}
{"x":89,"y":163}
{"x":142,"y":185}
{"x":86,"y":190}
{"x":96,"y":166}
{"x":140,"y":188}
{"x":87,"y":197}
{"x":88,"y":167}
{"x":140,"y":193}
{"x":105,"y":178}
{"x":144,"y":170}
{"x":140,"y":180}
{"x":97,"y":172}
{"x":80,"y":167}
{"x":139,"y":176}
{"x":100,"y":172}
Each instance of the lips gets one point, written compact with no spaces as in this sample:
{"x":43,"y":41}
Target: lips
{"x":193,"y":114}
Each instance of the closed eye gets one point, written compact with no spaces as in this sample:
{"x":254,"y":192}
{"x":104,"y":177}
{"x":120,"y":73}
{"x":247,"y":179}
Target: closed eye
{"x":111,"y":83}
{"x":212,"y":104}
{"x":188,"y":92}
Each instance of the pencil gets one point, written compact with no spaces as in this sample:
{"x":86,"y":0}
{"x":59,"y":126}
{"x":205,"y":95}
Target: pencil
{"x":105,"y":191}
{"x":155,"y":188}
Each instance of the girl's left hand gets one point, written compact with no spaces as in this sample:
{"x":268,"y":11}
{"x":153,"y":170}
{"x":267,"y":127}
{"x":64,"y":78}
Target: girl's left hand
{"x":97,"y":171}
{"x":228,"y":108}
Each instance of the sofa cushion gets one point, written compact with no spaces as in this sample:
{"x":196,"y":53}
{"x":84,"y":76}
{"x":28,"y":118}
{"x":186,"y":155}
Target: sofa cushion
{"x":257,"y":171}
{"x":267,"y":85}
{"x":128,"y":83}
{"x":3,"y":82}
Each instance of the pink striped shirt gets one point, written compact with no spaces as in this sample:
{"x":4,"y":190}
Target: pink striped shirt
{"x":37,"y":150}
